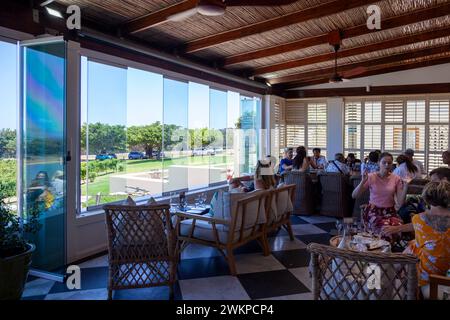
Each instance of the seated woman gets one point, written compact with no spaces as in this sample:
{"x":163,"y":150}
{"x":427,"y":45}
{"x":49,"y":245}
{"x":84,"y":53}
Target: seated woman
{"x":406,"y":169}
{"x":432,"y":234}
{"x":386,"y":191}
{"x":301,"y":161}
{"x":264,"y":177}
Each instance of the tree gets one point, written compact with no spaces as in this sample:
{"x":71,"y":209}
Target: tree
{"x":104,"y":138}
{"x":7,"y":143}
{"x":147,"y":137}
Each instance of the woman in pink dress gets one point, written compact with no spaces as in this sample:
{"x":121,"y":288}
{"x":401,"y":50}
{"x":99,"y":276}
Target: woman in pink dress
{"x":387,"y":191}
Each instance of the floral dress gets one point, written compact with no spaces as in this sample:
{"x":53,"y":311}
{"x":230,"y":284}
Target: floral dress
{"x":432,"y":247}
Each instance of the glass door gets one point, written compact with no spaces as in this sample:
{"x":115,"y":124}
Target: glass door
{"x":42,"y":155}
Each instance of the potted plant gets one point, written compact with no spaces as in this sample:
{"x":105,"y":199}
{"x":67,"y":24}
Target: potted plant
{"x":15,"y":251}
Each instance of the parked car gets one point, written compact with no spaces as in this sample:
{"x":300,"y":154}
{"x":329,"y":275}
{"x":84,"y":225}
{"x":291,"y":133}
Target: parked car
{"x":199,"y":152}
{"x":112,"y":155}
{"x":133,"y":155}
{"x":103,"y":156}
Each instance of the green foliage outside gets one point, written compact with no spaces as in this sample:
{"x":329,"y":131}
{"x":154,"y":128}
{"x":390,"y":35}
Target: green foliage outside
{"x":8,"y":172}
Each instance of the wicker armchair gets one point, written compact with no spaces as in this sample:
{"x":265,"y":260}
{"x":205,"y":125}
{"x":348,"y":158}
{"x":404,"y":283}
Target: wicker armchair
{"x":341,"y":274}
{"x":243,"y":222}
{"x":304,"y":191}
{"x":362,"y":200}
{"x":280,"y":213}
{"x":416,"y":186}
{"x":142,"y":247}
{"x":336,"y":197}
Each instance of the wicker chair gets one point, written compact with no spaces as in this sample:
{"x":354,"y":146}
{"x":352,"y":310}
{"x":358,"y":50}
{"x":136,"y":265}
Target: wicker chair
{"x":280,"y":213}
{"x":244,"y":221}
{"x":416,"y":186}
{"x":435,"y":282}
{"x":142,"y":247}
{"x":341,"y":274}
{"x":336,"y":198}
{"x":362,"y":200}
{"x":304,"y":191}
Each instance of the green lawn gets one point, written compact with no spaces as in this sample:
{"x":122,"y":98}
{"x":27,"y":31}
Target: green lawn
{"x":101,"y":183}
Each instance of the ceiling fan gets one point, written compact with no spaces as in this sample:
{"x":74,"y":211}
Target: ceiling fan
{"x":213,"y":8}
{"x":336,"y":77}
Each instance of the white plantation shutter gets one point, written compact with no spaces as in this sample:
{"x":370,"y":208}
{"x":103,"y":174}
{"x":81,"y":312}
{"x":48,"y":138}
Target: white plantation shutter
{"x":279,"y":135}
{"x":372,"y":137}
{"x":393,"y":135}
{"x":415,"y":111}
{"x":295,"y":135}
{"x":415,"y":137}
{"x":372,"y":112}
{"x":295,"y":112}
{"x":317,"y":136}
{"x":438,"y":138}
{"x":317,"y":125}
{"x":434,"y":161}
{"x":295,"y":119}
{"x":352,"y":136}
{"x":317,"y":113}
{"x":353,"y":112}
{"x":393,"y":111}
{"x":439,"y":111}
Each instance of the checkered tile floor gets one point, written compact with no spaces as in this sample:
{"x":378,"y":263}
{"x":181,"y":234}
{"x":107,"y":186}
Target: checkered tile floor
{"x":204,"y":275}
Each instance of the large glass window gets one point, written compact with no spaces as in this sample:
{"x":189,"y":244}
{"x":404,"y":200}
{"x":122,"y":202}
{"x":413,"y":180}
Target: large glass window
{"x":8,"y":123}
{"x":143,"y":134}
{"x":103,"y":132}
{"x":199,"y":135}
{"x":217,"y":135}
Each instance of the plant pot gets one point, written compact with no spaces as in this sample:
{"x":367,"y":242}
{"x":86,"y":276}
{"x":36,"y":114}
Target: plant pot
{"x":14,"y":273}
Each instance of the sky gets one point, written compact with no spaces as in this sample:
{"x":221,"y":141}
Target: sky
{"x":8,"y":81}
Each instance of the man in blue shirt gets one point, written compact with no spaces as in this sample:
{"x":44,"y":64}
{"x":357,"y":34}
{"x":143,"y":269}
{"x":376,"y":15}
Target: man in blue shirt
{"x":286,"y":162}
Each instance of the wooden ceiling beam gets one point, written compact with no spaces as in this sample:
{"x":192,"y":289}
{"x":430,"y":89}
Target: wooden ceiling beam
{"x":316,"y":12}
{"x":392,"y":43}
{"x":400,"y":66}
{"x":326,"y":72}
{"x":157,"y":17}
{"x":393,"y":22}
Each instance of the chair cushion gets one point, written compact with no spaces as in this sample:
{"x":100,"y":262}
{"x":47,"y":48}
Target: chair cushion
{"x":203,"y":230}
{"x":227,"y":207}
{"x":280,"y":207}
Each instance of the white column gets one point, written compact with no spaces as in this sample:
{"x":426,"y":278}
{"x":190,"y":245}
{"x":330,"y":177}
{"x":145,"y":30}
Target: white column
{"x":335,"y":126}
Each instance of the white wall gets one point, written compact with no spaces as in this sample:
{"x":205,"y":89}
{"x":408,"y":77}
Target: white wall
{"x":434,"y":74}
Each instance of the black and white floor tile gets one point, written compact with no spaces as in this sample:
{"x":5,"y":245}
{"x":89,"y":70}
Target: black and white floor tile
{"x":203,"y":273}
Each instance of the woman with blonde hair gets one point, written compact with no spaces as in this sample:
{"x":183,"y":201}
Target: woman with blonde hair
{"x":432,"y":234}
{"x":264,"y":177}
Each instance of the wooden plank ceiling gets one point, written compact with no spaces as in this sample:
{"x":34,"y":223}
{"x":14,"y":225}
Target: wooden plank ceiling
{"x":287,"y":45}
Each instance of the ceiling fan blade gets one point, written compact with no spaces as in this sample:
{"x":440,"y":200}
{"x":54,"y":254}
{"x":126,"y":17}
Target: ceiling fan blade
{"x":258,"y":2}
{"x":354,"y":72}
{"x":180,"y":16}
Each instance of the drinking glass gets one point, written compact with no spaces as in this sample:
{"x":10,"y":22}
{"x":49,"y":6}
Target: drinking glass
{"x":202,"y":199}
{"x":173,"y":201}
{"x":339,"y":227}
